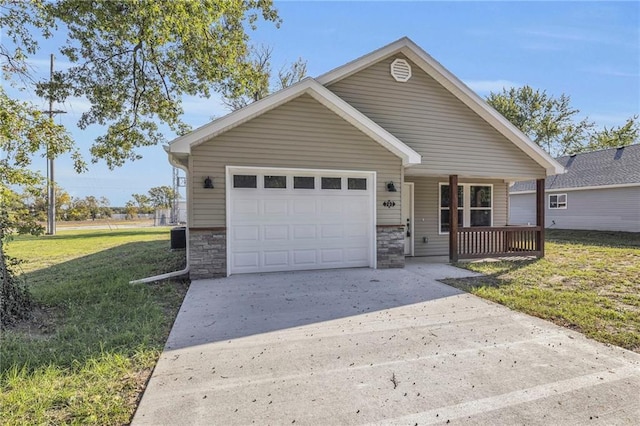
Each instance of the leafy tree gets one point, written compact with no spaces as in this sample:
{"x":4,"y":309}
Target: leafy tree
{"x":626,"y":134}
{"x":143,"y":203}
{"x":548,"y":121}
{"x":133,"y":61}
{"x":35,"y":198}
{"x":131,"y":210}
{"x":236,"y":95}
{"x":162,"y":197}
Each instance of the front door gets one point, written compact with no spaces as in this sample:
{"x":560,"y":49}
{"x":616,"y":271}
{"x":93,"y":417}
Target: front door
{"x":407,"y":217}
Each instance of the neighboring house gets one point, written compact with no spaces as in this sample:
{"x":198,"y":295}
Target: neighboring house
{"x":600,"y":191}
{"x":353,"y":169}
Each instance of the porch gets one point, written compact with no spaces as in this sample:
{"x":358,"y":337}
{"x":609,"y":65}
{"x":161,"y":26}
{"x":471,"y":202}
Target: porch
{"x":489,"y":241}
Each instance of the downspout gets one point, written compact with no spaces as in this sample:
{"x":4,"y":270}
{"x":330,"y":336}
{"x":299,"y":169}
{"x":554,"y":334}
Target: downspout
{"x":168,"y":275}
{"x":184,"y":271}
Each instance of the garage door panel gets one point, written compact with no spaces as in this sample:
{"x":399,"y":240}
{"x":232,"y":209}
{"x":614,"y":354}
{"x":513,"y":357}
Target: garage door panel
{"x":276,"y":232}
{"x":304,"y":205}
{"x":332,"y":255}
{"x":332,"y":231}
{"x":305,"y":257}
{"x":246,"y":259}
{"x":357,"y":230}
{"x":305,"y":232}
{"x":330,"y":205}
{"x":358,"y":254}
{"x":277,"y":229}
{"x":244,"y":206}
{"x":246,"y":233}
{"x":277,"y":207}
{"x":276,"y":258}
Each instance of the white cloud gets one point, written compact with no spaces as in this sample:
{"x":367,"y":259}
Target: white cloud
{"x":486,"y":86}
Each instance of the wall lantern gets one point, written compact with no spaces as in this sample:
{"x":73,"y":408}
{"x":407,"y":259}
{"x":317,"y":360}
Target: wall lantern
{"x":208,"y":183}
{"x":391,"y":187}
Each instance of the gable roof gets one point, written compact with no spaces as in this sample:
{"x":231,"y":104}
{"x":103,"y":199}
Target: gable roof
{"x":454,"y":85}
{"x":606,"y":168}
{"x":309,"y":86}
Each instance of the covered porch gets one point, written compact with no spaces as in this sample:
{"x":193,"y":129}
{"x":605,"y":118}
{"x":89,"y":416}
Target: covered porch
{"x":494,"y":241}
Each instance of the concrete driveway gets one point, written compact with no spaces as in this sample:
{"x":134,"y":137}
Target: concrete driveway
{"x":364,"y":346}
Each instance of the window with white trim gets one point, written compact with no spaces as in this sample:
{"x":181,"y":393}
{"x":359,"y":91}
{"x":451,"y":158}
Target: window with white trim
{"x":557,"y":201}
{"x":475,"y":206}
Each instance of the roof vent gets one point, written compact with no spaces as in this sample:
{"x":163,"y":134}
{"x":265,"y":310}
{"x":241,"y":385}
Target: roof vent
{"x":401,"y":70}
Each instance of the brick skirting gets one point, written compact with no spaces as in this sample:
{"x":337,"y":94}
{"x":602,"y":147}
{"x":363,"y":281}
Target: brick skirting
{"x":207,"y":253}
{"x":390,"y":246}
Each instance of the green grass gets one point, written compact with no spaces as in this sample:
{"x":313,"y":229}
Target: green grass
{"x":588,"y":281}
{"x":85,"y":356}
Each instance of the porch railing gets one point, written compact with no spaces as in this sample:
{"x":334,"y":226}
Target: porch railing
{"x":507,"y":241}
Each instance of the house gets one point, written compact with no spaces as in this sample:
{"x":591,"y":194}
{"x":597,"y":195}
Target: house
{"x":600,"y":191}
{"x":357,"y":168}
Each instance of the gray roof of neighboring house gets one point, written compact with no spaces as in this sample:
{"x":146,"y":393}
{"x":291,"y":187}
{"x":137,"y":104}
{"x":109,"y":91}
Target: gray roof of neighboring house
{"x":614,"y":166}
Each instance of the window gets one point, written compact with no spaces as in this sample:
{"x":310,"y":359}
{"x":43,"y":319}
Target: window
{"x":275,"y":181}
{"x":475,"y":206}
{"x":245,"y":181}
{"x":357,"y":183}
{"x":480,"y":205}
{"x":331,"y":183}
{"x":444,"y":207}
{"x":558,"y":201}
{"x":304,"y":182}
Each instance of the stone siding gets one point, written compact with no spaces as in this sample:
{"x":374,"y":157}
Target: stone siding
{"x":390,"y":245}
{"x":207,"y":253}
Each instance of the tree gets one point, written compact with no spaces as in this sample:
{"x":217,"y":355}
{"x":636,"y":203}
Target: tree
{"x":35,"y":198}
{"x":162,"y":197}
{"x":236,"y":95}
{"x":626,"y":134}
{"x":132,"y":61}
{"x":143,"y":203}
{"x":548,"y":121}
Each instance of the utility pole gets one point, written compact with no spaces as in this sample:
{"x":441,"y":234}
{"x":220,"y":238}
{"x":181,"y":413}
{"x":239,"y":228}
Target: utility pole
{"x":51,"y":185}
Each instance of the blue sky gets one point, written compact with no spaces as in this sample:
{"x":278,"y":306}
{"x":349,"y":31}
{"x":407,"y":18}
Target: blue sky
{"x":587,"y":50}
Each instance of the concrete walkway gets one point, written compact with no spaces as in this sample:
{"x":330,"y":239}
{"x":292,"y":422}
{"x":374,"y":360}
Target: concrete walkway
{"x":364,"y":346}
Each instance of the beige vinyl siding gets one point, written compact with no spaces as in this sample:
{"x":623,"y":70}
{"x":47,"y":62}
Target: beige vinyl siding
{"x":427,"y":210}
{"x":451,"y":138}
{"x":610,"y":209}
{"x":300,"y":134}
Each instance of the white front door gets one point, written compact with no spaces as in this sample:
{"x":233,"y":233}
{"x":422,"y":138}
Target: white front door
{"x":285,"y":219}
{"x":407,"y":217}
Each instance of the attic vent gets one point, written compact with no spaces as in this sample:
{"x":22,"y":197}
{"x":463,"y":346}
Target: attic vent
{"x":401,"y":70}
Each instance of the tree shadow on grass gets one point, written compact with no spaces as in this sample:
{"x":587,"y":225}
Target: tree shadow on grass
{"x":86,"y":307}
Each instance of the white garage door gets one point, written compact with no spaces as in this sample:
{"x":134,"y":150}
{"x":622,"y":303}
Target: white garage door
{"x":283,"y":220}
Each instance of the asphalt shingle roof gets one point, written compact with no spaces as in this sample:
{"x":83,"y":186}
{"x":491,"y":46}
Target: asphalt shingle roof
{"x":614,"y":166}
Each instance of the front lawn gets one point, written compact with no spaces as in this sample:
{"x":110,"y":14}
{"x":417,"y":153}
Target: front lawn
{"x":87,"y":352}
{"x":588,"y":281}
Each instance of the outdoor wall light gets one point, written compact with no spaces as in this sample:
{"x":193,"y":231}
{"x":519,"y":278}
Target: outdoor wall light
{"x":391,"y":187}
{"x":208,"y":183}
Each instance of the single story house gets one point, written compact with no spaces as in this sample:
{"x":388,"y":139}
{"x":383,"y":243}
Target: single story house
{"x":387,"y":156}
{"x":600,"y":191}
